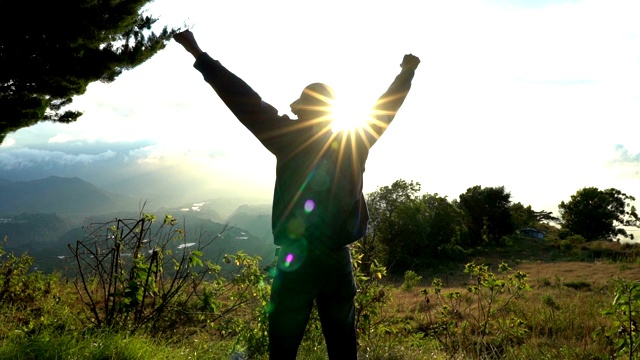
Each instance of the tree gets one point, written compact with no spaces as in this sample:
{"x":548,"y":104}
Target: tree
{"x":446,"y":223}
{"x":487,"y":213}
{"x":51,"y":50}
{"x":384,"y":206}
{"x":524,"y":217}
{"x":408,"y":231}
{"x":599,"y":214}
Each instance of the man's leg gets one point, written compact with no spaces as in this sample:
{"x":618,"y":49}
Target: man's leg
{"x":291,"y":302}
{"x":336,"y":308}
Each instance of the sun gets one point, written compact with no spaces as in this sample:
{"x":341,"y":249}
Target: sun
{"x":349,"y":116}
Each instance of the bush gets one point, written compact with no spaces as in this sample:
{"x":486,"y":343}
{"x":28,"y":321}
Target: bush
{"x":452,"y":252}
{"x":623,"y":335}
{"x":480,"y":312}
{"x":19,"y":286}
{"x":133,"y":274}
{"x":575,"y":240}
{"x":411,"y":279}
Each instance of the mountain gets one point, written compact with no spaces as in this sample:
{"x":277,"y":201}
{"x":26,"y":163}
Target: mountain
{"x":61,"y":196}
{"x":254,"y":218}
{"x":43,"y":217}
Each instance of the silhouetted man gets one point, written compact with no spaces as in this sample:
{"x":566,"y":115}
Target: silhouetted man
{"x":318,"y":205}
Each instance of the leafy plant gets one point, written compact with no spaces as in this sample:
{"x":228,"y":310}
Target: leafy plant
{"x":411,"y":279}
{"x":17,"y":284}
{"x":251,"y":288}
{"x":129,"y":274}
{"x":372,"y":295}
{"x":477,"y":321}
{"x":624,"y":333}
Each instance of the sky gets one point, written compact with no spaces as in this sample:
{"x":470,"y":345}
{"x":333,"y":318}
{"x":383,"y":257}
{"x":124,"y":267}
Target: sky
{"x":541,"y":97}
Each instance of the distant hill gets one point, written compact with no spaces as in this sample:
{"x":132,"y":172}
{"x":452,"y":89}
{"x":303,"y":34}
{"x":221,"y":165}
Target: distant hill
{"x":61,"y":196}
{"x":253,"y":218}
{"x":42,"y":217}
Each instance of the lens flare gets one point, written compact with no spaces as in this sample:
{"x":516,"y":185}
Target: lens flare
{"x":350,"y":114}
{"x":288,"y":260}
{"x":309,"y":205}
{"x":340,"y":129}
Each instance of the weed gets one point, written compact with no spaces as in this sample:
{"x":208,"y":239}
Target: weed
{"x":478,"y":322}
{"x":578,"y":285}
{"x":411,"y":279}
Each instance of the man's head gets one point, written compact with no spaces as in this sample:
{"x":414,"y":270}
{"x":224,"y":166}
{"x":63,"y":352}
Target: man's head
{"x":314,"y":102}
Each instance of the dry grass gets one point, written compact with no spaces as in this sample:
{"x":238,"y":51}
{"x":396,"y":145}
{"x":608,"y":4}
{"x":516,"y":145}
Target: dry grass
{"x":564,"y":308}
{"x":596,"y":273}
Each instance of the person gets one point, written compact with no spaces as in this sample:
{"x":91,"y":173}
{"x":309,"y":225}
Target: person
{"x":318,"y":205}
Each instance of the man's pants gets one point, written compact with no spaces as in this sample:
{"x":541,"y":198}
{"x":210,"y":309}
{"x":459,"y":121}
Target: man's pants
{"x":325,"y":276}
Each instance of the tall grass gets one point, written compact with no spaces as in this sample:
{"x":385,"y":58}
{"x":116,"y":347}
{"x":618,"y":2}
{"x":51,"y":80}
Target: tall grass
{"x":560,"y":317}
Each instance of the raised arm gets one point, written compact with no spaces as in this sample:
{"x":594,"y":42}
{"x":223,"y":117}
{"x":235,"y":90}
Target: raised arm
{"x":256,"y":115}
{"x":188,"y":41}
{"x":388,"y":104}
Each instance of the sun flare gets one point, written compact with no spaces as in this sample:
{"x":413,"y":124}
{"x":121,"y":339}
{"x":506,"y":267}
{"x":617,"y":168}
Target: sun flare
{"x":347,"y":116}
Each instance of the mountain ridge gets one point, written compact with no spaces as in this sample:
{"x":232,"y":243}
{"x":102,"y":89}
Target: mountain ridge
{"x":61,"y":195}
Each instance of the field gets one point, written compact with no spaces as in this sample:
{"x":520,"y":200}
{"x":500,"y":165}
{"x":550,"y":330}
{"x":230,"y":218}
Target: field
{"x":550,"y":302}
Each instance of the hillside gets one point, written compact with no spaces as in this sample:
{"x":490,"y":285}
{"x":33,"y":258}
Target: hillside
{"x":66,"y":196}
{"x":42,"y":217}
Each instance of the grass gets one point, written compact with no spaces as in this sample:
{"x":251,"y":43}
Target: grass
{"x":560,"y":316}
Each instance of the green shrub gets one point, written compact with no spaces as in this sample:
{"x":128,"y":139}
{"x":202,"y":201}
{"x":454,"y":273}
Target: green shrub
{"x":411,"y":279}
{"x":371,"y":298}
{"x":575,"y":240}
{"x":452,"y":252}
{"x":477,"y":322}
{"x":623,"y":335}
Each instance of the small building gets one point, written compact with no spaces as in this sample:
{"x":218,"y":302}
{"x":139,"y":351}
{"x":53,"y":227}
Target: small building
{"x":532,"y":233}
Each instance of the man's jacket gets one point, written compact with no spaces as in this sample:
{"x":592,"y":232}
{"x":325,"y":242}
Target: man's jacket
{"x":319,"y":174}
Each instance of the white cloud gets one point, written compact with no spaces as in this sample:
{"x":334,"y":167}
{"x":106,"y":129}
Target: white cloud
{"x":61,"y":138}
{"x":22,"y":158}
{"x":505,"y":89}
{"x":8,"y":142}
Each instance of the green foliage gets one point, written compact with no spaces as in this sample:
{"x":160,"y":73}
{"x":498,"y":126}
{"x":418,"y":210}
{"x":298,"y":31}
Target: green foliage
{"x":624,"y":334}
{"x":452,"y":252}
{"x":478,"y":321}
{"x":133,"y":275}
{"x":411,"y":280}
{"x":599,"y":214}
{"x":129,"y":274}
{"x":251,"y":290}
{"x":524,"y":217}
{"x":446,"y":226}
{"x":385,"y":224}
{"x":60,"y":48}
{"x":372,"y":295}
{"x":101,"y":345}
{"x":487,"y":215}
{"x":406,"y":230}
{"x":18,"y":285}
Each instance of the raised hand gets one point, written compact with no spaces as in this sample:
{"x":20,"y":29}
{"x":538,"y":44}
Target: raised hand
{"x":410,"y":62}
{"x":188,"y":41}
